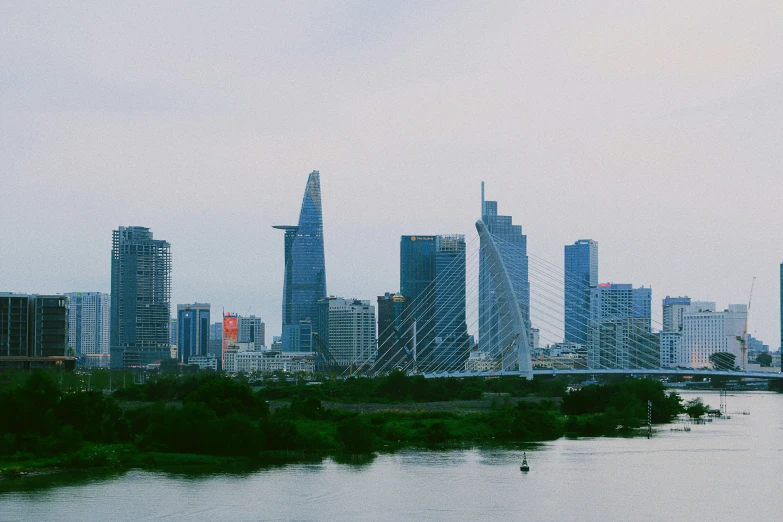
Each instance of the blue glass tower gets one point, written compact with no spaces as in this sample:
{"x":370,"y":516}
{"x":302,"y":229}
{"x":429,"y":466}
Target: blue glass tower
{"x":305,"y":272}
{"x":432,"y":276}
{"x":193,"y":330}
{"x":512,"y":244}
{"x":581,"y":274}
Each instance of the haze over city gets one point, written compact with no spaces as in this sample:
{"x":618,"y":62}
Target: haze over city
{"x":654,"y":131}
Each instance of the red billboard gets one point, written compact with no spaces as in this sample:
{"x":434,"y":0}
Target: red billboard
{"x":230,"y":329}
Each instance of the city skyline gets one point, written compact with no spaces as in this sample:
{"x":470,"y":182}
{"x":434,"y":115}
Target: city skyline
{"x":676,"y":178}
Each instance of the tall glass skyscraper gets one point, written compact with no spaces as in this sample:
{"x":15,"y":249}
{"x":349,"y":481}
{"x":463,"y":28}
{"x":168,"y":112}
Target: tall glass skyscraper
{"x":432,"y":276}
{"x":581,"y":274}
{"x":305,"y":271}
{"x":512,"y":245}
{"x":140,"y":298}
{"x":88,"y":326}
{"x":193,"y":325}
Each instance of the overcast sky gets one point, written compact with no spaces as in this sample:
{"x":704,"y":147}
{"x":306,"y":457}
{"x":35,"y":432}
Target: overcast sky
{"x":655,"y":129}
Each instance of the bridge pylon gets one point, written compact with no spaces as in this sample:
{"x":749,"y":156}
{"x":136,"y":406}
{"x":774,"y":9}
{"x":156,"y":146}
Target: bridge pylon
{"x":512,"y":325}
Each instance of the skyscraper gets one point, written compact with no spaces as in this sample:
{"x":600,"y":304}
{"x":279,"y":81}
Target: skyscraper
{"x":581,"y":275}
{"x":781,"y":316}
{"x":304,"y":281}
{"x":395,"y":331}
{"x":512,"y":245}
{"x":140,"y":298}
{"x":193,"y":326}
{"x":432,"y":276}
{"x":619,"y":328}
{"x":348,"y":329}
{"x":89,"y":315}
{"x":252,"y":330}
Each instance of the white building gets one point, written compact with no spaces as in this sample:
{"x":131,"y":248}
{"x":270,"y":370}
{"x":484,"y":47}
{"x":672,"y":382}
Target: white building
{"x":347,"y":327}
{"x":705,"y":332}
{"x":481,"y":362}
{"x":204,"y":362}
{"x":267,"y":361}
{"x":89,"y":318}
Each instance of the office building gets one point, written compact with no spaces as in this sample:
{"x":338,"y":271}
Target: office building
{"x":581,"y":276}
{"x":781,"y":315}
{"x":512,"y":244}
{"x":432,"y":277}
{"x":348,"y":330}
{"x":304,"y":281}
{"x":230,"y":334}
{"x":619,"y":333}
{"x":194,"y":329}
{"x":297,"y":337}
{"x":34,"y":331}
{"x":706,"y":332}
{"x":395,"y":332}
{"x":140,"y":298}
{"x":252,"y":330}
{"x":173,"y":332}
{"x":673,"y":310}
{"x":89,"y":319}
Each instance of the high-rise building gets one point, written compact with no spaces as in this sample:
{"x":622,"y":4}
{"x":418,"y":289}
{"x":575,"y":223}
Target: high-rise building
{"x":673,"y":310}
{"x":395,"y":331}
{"x":304,"y":282}
{"x":781,"y":316}
{"x":297,"y":337}
{"x":194,"y":329}
{"x":619,"y":328}
{"x":89,"y":317}
{"x":348,"y":329}
{"x":215,"y":348}
{"x":706,"y":332}
{"x":512,"y":244}
{"x":34,"y":331}
{"x":230,"y":331}
{"x":174,"y":332}
{"x":252,"y":330}
{"x":581,"y":275}
{"x":140,"y":298}
{"x":432,"y":276}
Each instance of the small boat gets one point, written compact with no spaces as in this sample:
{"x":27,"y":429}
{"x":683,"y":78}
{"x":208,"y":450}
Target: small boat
{"x":524,"y":466}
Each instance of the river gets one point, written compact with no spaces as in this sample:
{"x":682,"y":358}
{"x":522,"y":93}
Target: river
{"x":729,"y":469}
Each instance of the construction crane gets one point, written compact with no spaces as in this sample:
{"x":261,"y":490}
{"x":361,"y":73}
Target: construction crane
{"x":744,"y":339}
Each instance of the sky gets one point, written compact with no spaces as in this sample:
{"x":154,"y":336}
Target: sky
{"x":655,"y":128}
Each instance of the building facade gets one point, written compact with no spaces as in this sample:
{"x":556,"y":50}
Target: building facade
{"x":395,"y":332}
{"x":140,"y":298}
{"x":194,"y":329}
{"x":581,"y":276}
{"x":304,"y":281}
{"x":89,"y":319}
{"x":432,"y":276}
{"x":348,"y":330}
{"x":34,"y":331}
{"x":512,"y":244}
{"x":619,"y":333}
{"x":252,"y":330}
{"x":706,"y":332}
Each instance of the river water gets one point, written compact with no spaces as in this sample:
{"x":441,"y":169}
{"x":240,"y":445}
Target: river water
{"x":729,"y":469}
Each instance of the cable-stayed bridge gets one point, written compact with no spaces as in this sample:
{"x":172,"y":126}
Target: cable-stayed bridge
{"x":513,"y":306}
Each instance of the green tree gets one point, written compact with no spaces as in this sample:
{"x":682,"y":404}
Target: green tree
{"x":764,"y":359}
{"x":355,"y":435}
{"x":696,"y":408}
